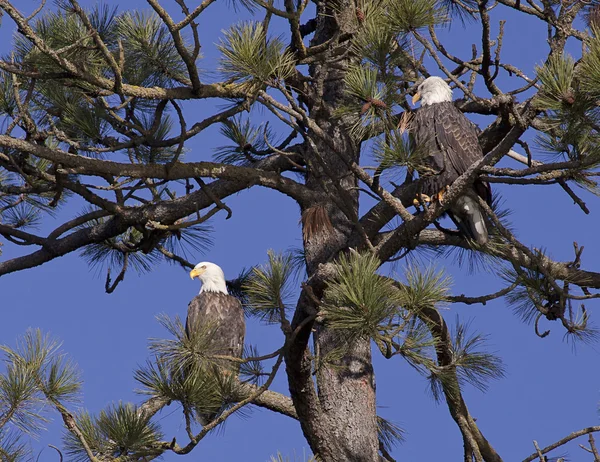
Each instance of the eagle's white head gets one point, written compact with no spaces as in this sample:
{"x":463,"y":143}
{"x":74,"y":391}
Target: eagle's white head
{"x":211,"y":276}
{"x":433,"y":90}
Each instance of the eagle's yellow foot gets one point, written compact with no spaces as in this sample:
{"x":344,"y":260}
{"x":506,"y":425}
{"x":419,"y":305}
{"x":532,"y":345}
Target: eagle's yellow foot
{"x":440,"y":195}
{"x":421,"y":199}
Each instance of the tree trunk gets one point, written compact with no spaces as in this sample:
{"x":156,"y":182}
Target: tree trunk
{"x":347,"y":396}
{"x":340,"y":422}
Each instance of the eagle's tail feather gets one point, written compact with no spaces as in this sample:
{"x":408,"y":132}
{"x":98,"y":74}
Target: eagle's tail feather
{"x":467,"y":215}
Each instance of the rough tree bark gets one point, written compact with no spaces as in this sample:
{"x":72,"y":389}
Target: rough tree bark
{"x":344,"y":404}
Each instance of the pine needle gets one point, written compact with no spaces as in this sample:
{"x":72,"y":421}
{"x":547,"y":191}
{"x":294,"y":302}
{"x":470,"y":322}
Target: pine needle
{"x":268,"y":288}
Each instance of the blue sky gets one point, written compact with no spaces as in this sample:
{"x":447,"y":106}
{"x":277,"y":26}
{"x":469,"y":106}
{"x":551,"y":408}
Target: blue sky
{"x":550,"y":389}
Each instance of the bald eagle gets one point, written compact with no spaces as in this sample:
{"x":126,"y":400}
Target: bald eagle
{"x":222,"y":313}
{"x":450,"y":145}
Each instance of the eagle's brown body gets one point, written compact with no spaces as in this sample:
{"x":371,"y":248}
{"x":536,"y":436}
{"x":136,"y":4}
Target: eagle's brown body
{"x":224,"y":316}
{"x":449,"y":141}
{"x":221,"y":316}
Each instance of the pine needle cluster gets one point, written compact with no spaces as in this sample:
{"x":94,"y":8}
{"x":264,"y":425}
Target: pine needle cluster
{"x":35,"y":377}
{"x":358,"y":299}
{"x":469,"y":364}
{"x":184,"y":370}
{"x":23,"y":211}
{"x":149,"y":54}
{"x":389,"y":433}
{"x":269,"y":288}
{"x":248,"y":140}
{"x":139,"y":248}
{"x":150,"y":50}
{"x":119,"y":431}
{"x":568,"y":97}
{"x":253,"y":60}
{"x":358,"y":302}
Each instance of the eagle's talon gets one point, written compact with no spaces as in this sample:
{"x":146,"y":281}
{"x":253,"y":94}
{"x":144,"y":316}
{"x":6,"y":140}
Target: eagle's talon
{"x":421,"y":199}
{"x":440,"y":195}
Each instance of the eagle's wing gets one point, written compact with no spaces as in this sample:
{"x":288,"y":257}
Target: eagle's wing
{"x":422,"y":130}
{"x":457,"y":137}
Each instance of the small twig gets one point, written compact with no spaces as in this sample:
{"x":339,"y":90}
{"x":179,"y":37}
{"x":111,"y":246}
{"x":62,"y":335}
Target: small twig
{"x":369,"y":193}
{"x":107,"y":285}
{"x":536,"y":163}
{"x":585,"y":449}
{"x":29,"y":18}
{"x":182,"y":224}
{"x":182,"y":261}
{"x":576,"y":199}
{"x":188,"y":423}
{"x":482,"y":299}
{"x":71,"y":424}
{"x":539,"y":451}
{"x":28,"y":239}
{"x":441,"y":65}
{"x":498,"y":49}
{"x":186,"y":54}
{"x":487,"y":45}
{"x":280,"y":151}
{"x":220,"y":204}
{"x":525,"y":146}
{"x":236,"y":360}
{"x":182,"y":124}
{"x":537,"y":329}
{"x":108,"y":56}
{"x":386,"y":455}
{"x":403,"y":254}
{"x":594,"y":448}
{"x":57,"y":450}
{"x":311,"y":294}
{"x":563,"y":441}
{"x":74,"y":45}
{"x":578,"y":251}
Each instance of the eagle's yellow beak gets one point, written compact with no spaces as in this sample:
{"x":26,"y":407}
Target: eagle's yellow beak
{"x":416,"y":98}
{"x":195,"y":273}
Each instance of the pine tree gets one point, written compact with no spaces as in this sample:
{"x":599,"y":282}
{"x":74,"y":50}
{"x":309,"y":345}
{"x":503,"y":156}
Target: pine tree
{"x":92,"y":103}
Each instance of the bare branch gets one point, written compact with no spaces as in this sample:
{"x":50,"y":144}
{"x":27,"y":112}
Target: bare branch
{"x":562,"y":442}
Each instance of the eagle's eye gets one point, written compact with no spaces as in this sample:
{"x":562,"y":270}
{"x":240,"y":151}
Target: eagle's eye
{"x":203,"y":267}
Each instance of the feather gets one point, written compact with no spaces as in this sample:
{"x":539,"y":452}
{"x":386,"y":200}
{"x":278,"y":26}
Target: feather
{"x":224,"y":317}
{"x":315,"y":221}
{"x":450,"y":139}
{"x":466,"y":214}
{"x":451,"y":145}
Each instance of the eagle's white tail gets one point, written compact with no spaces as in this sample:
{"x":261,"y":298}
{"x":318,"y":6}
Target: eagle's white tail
{"x":469,"y":218}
